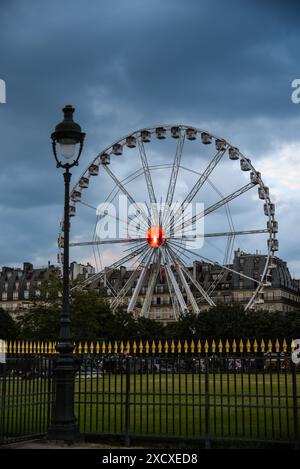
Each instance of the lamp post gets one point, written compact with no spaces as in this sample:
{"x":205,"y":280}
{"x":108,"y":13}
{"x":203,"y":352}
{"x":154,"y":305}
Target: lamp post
{"x":69,"y":138}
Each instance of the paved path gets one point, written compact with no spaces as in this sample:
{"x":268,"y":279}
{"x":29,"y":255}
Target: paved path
{"x":42,"y":444}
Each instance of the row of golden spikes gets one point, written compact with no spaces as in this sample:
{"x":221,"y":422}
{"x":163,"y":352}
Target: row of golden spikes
{"x":40,"y":347}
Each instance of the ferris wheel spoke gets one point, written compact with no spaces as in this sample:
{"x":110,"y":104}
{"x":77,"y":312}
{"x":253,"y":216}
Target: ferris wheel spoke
{"x":106,"y":270}
{"x":216,"y":234}
{"x":122,"y":293}
{"x":140,"y":211}
{"x":173,"y":297}
{"x":151,"y":193}
{"x":174,"y":174}
{"x":118,"y":219}
{"x":197,"y":186}
{"x":204,"y":294}
{"x":108,"y":241}
{"x":139,"y":284}
{"x":215,"y":206}
{"x":240,"y":274}
{"x":185,"y":284}
{"x":154,"y":271}
{"x":174,"y":283}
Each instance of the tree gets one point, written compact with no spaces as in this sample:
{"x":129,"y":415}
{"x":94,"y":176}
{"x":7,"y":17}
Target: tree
{"x":41,"y":322}
{"x":149,"y":329}
{"x":8,"y":327}
{"x":91,"y":317}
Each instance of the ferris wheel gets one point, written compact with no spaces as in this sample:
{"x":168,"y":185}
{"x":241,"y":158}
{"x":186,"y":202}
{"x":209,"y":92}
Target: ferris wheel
{"x":191,"y":202}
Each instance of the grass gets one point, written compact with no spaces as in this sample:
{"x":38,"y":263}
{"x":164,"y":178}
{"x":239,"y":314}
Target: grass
{"x":253,"y":405}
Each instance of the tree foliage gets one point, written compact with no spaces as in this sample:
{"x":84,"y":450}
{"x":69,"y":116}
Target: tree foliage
{"x":8,"y":327}
{"x":92,"y":319}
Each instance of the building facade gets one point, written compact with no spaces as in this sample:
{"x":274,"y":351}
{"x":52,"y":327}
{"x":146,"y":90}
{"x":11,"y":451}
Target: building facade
{"x":223,"y":286}
{"x":21,"y":287}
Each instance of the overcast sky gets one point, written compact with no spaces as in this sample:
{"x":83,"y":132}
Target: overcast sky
{"x":226,"y":66}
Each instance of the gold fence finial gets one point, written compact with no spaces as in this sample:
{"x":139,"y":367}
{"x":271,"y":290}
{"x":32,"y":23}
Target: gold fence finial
{"x":192,"y":346}
{"x":153,"y":347}
{"x":234,"y":346}
{"x":270,"y":346}
{"x":293,"y":345}
{"x":166,"y":347}
{"x":109,"y":347}
{"x":248,"y":346}
{"x":103,"y":347}
{"x":97,"y":347}
{"x":172,"y":346}
{"x":115,"y":347}
{"x":199,"y":346}
{"x":206,"y":346}
{"x":284,"y":346}
{"x":179,"y":347}
{"x":277,"y":346}
{"x":141,"y":347}
{"x":262,"y":345}
{"x":128,"y":346}
{"x":255,"y":346}
{"x":159,"y":346}
{"x":134,"y":347}
{"x":241,"y":346}
{"x":227,"y":346}
{"x":147,"y":347}
{"x":220,"y":346}
{"x":185,"y":346}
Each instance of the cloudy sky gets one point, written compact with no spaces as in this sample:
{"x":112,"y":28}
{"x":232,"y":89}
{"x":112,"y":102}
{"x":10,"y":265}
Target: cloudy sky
{"x":226,"y":66}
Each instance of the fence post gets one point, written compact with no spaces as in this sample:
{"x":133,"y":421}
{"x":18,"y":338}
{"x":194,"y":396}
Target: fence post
{"x":127,"y":403}
{"x":207,"y":405}
{"x":3,"y":404}
{"x":295,"y":403}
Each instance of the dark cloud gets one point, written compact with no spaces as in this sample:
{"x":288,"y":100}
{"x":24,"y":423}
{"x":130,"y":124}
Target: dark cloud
{"x":227,"y":66}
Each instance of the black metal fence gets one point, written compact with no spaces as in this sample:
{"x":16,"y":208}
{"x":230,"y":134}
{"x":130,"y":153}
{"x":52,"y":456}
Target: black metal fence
{"x":197,"y":397}
{"x":26,"y":396}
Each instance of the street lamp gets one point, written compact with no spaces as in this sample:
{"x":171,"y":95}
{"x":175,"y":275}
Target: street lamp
{"x":68,"y":138}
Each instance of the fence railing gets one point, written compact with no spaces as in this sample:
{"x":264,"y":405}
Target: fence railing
{"x":177,"y":389}
{"x":152,"y":347}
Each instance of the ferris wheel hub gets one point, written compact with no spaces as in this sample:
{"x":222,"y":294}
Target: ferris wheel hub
{"x":155,"y":236}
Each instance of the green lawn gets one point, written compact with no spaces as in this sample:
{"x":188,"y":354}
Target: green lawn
{"x":250,"y":405}
{"x":253,"y":405}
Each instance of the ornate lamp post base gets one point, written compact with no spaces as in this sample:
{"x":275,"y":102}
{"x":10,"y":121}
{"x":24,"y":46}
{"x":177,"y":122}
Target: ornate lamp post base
{"x":63,"y":422}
